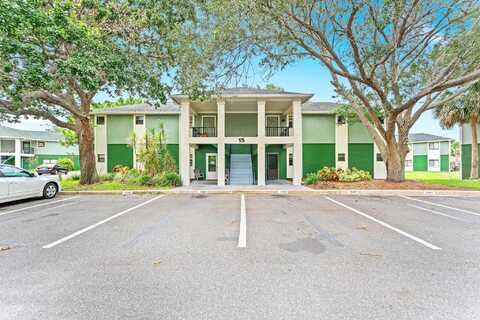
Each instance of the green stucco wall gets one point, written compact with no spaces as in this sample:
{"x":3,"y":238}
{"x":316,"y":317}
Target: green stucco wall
{"x":282,"y":159}
{"x":318,"y":129}
{"x":119,"y":154}
{"x":203,"y":149}
{"x":119,"y":128}
{"x":239,"y":148}
{"x":241,"y":124}
{"x":420,"y":163}
{"x":170,"y":123}
{"x":467,"y":160}
{"x":360,"y":156}
{"x":357,"y":133}
{"x":33,"y":162}
{"x":318,"y":155}
{"x":444,"y":162}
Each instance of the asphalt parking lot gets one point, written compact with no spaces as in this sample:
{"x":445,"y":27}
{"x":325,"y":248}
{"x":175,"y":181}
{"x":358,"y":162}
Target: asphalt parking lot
{"x":212,"y":257}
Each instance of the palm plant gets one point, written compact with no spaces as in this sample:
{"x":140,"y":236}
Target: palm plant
{"x":464,"y":110}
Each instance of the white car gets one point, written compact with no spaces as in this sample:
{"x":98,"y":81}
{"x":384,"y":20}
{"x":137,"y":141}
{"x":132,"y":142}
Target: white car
{"x":17,"y":183}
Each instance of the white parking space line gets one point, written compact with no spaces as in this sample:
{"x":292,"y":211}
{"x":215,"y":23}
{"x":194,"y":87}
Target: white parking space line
{"x":434,"y":212}
{"x":242,"y":236}
{"x":442,"y":206}
{"x":93,"y":226}
{"x":46,"y":203}
{"x":386,"y":225}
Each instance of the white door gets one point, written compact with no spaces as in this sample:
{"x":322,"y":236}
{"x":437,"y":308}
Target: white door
{"x":211,"y":170}
{"x":289,"y":162}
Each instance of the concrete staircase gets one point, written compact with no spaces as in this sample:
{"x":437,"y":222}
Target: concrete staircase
{"x":241,"y":169}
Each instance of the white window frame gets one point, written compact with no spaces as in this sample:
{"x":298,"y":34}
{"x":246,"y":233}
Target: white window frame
{"x":436,"y":145}
{"x":143,"y":120}
{"x":104,"y":120}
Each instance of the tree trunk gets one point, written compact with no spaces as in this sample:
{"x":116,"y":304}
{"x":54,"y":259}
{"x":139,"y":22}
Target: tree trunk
{"x":395,"y":160}
{"x":474,"y":166}
{"x":88,"y":170}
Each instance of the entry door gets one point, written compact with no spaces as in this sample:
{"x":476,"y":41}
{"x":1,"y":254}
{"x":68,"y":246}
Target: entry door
{"x":272,"y":166}
{"x":211,"y":170}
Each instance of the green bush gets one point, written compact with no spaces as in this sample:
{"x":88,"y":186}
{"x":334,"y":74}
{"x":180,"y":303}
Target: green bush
{"x":67,"y":163}
{"x":74,"y":177}
{"x":170,"y":179}
{"x":144,"y":180}
{"x":312,"y":178}
{"x":354,"y":175}
{"x":332,"y":174}
{"x":107,"y":177}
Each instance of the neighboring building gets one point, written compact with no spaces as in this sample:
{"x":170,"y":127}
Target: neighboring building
{"x":243,"y":136}
{"x":466,"y":149}
{"x":28,"y":149}
{"x":428,"y":153}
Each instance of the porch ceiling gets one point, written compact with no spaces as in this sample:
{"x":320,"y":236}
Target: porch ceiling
{"x":243,"y":105}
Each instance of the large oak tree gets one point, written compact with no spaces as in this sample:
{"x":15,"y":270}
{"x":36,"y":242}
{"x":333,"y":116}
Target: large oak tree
{"x":57,"y":56}
{"x":390,"y":61}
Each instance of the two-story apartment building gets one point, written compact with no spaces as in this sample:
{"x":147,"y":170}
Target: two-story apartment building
{"x":28,"y":149}
{"x":241,"y":136}
{"x":466,"y":149}
{"x":428,"y":152}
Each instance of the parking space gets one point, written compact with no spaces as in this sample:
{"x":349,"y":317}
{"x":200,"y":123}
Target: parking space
{"x":211,"y":257}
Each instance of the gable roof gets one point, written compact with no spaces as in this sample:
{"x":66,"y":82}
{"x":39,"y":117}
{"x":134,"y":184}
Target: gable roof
{"x":425,"y":137}
{"x":320,"y":107}
{"x":7,"y":132}
{"x":248,"y":92}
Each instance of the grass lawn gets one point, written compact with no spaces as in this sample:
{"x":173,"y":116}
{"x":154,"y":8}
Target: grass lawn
{"x":450,"y":179}
{"x":73,"y":185}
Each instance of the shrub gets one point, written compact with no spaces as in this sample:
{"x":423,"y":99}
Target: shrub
{"x":312,"y":178}
{"x":354,"y":175}
{"x":107,"y":177}
{"x":144,"y":180}
{"x":67,"y":163}
{"x":328,"y":174}
{"x":74,"y":177}
{"x":170,"y":179}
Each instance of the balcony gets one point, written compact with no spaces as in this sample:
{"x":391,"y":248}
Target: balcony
{"x":204,"y":132}
{"x":277,"y":131}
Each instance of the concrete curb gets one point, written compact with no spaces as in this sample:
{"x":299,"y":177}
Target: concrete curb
{"x":456,"y":193}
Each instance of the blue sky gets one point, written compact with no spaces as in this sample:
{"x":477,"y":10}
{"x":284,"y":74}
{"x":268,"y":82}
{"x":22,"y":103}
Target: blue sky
{"x":305,"y":76}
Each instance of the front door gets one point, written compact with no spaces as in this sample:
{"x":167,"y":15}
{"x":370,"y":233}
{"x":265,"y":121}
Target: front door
{"x":211,"y":170}
{"x":272,"y":166}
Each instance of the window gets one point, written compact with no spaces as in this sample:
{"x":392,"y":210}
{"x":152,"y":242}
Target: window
{"x":433,"y":146}
{"x":408,"y":163}
{"x":341,"y":157}
{"x":139,"y":120}
{"x":290,"y":159}
{"x":101,"y":157}
{"x":13,"y":172}
{"x":100,"y":120}
{"x":8,"y":146}
{"x":433,"y":163}
{"x":41,"y":144}
{"x":340,"y":120}
{"x":379,"y":157}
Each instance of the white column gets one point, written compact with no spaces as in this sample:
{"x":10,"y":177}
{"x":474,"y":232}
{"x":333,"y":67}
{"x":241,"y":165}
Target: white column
{"x":261,"y":142}
{"x":341,"y":143}
{"x":221,"y":142}
{"x":184,"y":147}
{"x":261,"y":164}
{"x":18,"y":153}
{"x":297,"y":144}
{"x":261,"y":118}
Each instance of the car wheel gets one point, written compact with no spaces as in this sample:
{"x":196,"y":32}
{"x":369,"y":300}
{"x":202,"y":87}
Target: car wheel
{"x":50,"y":190}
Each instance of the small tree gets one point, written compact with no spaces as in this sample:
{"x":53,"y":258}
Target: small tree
{"x":154,"y":155}
{"x":465,"y":110}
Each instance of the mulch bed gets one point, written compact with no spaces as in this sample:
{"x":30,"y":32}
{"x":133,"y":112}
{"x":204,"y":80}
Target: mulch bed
{"x":381,"y":184}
